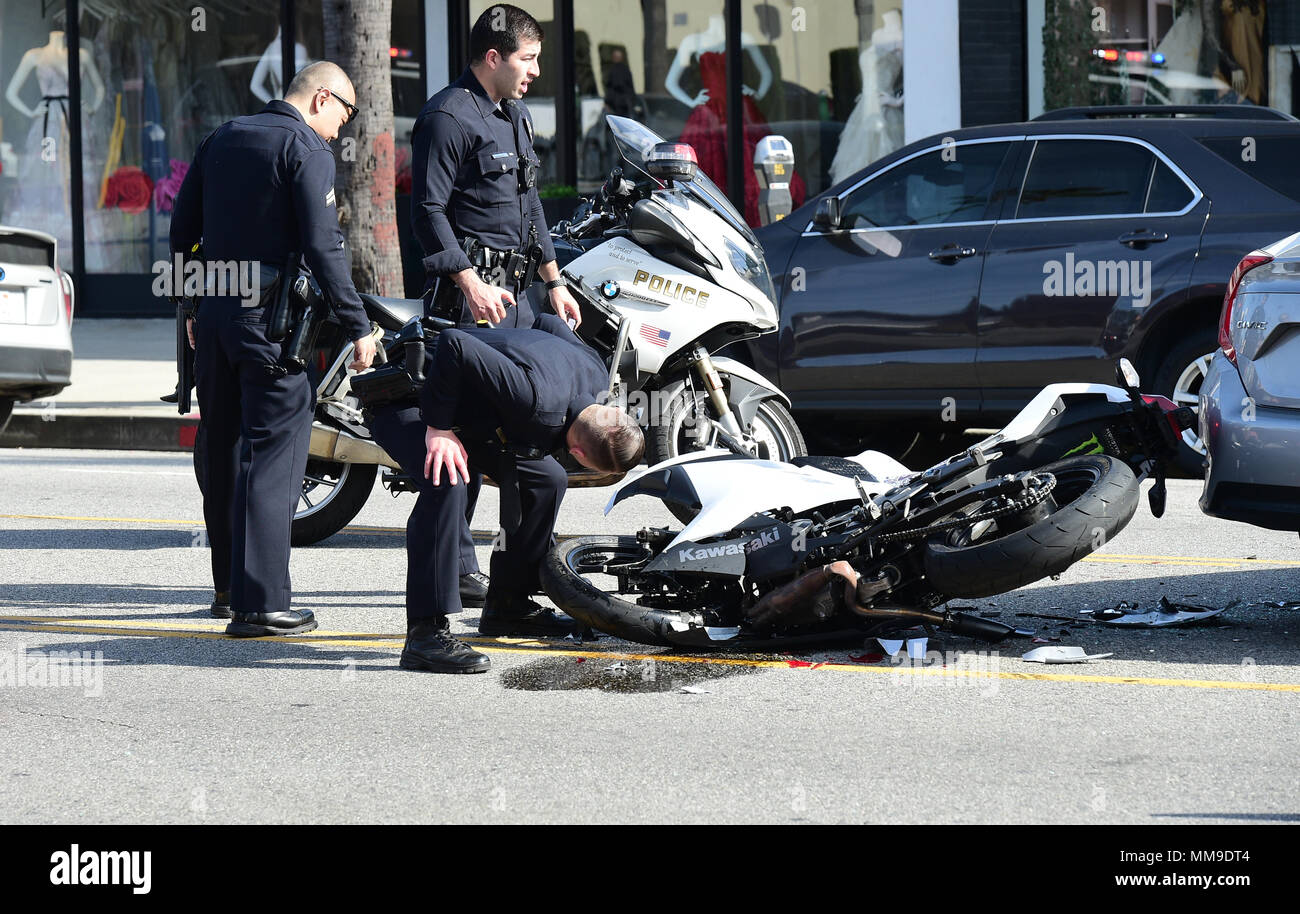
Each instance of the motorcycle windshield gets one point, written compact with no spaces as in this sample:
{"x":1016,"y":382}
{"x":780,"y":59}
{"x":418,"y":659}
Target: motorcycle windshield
{"x":635,"y":140}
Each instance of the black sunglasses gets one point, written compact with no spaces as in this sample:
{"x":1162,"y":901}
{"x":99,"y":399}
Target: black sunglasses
{"x":353,"y":110}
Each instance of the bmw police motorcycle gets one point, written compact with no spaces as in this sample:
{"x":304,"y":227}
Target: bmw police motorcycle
{"x":666,"y":272}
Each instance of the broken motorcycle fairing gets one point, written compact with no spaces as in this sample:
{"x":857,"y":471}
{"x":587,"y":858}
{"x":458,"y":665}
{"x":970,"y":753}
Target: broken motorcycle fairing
{"x":783,"y":553}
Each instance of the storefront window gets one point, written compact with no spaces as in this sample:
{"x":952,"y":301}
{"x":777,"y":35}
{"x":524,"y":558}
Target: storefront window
{"x":812,"y":73}
{"x":35,"y":130}
{"x":1176,"y":52}
{"x":169,"y":77}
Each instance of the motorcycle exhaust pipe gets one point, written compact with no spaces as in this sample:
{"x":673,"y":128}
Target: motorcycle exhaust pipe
{"x":342,"y":447}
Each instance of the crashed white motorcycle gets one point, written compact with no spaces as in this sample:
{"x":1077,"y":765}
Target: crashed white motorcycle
{"x":784,"y":554}
{"x":667,"y":273}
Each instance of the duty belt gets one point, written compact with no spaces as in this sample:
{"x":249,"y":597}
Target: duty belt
{"x":508,"y":269}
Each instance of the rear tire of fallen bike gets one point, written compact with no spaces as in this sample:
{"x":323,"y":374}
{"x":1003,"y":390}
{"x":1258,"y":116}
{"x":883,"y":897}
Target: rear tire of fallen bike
{"x":1094,"y":498}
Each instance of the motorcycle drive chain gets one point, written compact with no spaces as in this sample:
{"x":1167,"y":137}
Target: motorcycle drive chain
{"x":1015,"y":506}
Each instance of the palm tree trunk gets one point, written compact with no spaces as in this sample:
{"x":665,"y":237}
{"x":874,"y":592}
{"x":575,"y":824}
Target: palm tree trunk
{"x":358,"y":38}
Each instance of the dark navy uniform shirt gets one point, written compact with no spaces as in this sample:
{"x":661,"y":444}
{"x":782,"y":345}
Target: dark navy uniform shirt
{"x":465,"y":168}
{"x":262,"y":187}
{"x":529,"y":383}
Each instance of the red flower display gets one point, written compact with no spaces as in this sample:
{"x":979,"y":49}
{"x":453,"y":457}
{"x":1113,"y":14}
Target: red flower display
{"x":129,"y":189}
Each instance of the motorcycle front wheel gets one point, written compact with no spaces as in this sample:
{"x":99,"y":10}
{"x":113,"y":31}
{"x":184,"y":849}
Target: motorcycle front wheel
{"x":332,"y":494}
{"x":678,"y":428}
{"x":582,"y":577}
{"x":1094,"y":498}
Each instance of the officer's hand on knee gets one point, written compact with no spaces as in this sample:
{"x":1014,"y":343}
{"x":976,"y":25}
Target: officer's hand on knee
{"x":189,"y":331}
{"x":443,"y":450}
{"x":363,"y":353}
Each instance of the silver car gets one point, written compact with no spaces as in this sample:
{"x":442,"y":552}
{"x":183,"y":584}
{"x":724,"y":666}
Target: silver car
{"x":1250,"y":399}
{"x":36,"y":301}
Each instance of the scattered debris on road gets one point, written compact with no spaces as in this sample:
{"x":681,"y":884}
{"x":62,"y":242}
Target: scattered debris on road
{"x":1058,"y":653}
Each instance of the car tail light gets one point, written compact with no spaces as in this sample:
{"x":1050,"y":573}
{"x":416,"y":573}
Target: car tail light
{"x":1248,"y":263}
{"x":65,"y":286}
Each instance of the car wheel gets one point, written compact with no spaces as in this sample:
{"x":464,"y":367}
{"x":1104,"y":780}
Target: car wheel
{"x":1179,"y":378}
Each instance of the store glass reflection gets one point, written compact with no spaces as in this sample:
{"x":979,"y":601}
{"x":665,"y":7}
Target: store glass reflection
{"x":1170,"y":52}
{"x":828,"y":76}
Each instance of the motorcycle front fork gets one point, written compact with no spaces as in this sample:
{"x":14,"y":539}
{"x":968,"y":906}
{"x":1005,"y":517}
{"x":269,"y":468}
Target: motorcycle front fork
{"x":723,"y":420}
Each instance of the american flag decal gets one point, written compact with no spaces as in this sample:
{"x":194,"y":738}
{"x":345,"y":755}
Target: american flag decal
{"x":654,"y":335}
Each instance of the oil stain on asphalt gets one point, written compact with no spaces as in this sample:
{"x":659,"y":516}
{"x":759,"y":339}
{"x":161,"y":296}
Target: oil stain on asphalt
{"x":625,"y":676}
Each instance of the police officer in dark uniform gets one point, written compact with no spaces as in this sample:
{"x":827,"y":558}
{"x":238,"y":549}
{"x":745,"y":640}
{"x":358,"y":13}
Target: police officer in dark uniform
{"x":515,"y":395}
{"x":476,"y":212}
{"x":261,"y":188}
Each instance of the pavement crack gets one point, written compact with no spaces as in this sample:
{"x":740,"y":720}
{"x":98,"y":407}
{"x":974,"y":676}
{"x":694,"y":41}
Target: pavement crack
{"x":98,"y":720}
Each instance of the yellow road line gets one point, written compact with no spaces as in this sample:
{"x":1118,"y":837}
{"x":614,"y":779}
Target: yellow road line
{"x":1103,"y":560}
{"x":523,"y":646}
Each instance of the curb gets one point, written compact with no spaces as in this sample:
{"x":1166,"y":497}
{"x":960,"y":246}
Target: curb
{"x":107,"y":430}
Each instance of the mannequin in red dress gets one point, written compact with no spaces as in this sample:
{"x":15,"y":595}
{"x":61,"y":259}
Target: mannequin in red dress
{"x":706,"y":131}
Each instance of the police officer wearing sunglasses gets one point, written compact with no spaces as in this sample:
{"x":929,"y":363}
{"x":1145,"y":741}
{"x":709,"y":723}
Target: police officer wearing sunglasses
{"x":261,"y":192}
{"x":477,"y":214}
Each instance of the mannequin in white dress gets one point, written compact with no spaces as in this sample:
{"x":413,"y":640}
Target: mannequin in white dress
{"x":875,"y":127}
{"x":265,"y":83}
{"x":42,"y":196}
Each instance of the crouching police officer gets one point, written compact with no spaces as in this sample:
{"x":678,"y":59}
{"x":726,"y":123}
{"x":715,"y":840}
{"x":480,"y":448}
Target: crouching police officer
{"x":515,"y":395}
{"x":476,"y":210}
{"x":261,"y":192}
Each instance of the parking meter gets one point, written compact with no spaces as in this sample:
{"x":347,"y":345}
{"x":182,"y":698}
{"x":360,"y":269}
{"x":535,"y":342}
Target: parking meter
{"x":773,"y":165}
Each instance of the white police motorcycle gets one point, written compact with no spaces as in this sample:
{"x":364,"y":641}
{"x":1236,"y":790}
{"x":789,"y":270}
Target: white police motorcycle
{"x":667,"y":273}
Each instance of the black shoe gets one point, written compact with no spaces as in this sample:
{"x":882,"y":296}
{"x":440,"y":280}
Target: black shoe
{"x":520,"y":616}
{"x":221,"y":604}
{"x":173,"y":397}
{"x":430,"y":647}
{"x":473,"y":588}
{"x":256,"y":625}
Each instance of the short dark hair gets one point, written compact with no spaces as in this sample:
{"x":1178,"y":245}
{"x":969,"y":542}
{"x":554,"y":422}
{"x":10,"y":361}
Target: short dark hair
{"x":611,"y":438}
{"x":502,"y":28}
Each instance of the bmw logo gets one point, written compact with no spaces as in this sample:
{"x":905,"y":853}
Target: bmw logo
{"x":609,"y":289}
{"x":2,"y":276}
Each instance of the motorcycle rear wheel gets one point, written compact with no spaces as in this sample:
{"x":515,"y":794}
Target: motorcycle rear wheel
{"x":1095,"y":497}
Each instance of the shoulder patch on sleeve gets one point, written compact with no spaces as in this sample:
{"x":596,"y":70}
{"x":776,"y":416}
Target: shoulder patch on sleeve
{"x":329,"y":198}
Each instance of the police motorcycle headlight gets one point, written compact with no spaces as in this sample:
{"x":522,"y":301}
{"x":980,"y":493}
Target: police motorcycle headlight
{"x":751,"y":266}
{"x":671,"y":162}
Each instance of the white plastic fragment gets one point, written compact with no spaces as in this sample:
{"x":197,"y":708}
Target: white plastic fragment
{"x":1056,"y":653}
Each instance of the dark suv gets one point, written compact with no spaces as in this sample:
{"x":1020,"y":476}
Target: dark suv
{"x":949,"y":281}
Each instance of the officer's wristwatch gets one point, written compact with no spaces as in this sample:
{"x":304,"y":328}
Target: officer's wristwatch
{"x":555,"y":284}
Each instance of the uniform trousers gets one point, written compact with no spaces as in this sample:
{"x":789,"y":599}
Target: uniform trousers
{"x":438,"y":524}
{"x":257,"y":427}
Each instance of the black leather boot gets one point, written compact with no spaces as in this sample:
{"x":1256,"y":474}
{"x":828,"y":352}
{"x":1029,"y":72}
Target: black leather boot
{"x":431,"y":647}
{"x":522,"y":617}
{"x":473,"y":588}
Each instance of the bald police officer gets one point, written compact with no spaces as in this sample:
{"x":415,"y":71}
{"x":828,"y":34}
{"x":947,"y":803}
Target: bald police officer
{"x":260,"y":188}
{"x":474,"y":176}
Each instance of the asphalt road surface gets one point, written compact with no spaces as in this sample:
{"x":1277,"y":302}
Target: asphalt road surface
{"x":103,"y":552}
